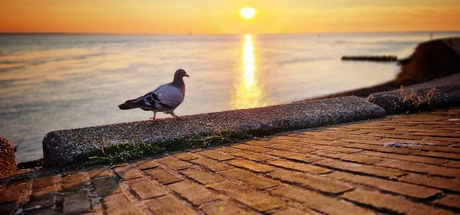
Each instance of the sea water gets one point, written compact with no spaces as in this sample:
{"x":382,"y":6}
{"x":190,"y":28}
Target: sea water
{"x":63,"y":81}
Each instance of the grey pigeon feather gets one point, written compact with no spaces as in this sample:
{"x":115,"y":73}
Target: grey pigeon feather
{"x":165,"y":98}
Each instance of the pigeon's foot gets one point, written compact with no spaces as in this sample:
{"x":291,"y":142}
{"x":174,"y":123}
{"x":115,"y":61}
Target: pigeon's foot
{"x":156,"y":120}
{"x":181,"y":118}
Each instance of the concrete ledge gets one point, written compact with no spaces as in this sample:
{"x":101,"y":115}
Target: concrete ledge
{"x":417,"y":99}
{"x":61,"y":147}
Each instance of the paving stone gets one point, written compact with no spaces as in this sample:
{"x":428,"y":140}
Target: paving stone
{"x":245,"y":154}
{"x":127,"y":172}
{"x":251,"y":165}
{"x":197,"y":195}
{"x":174,"y":163}
{"x":450,"y":200}
{"x":145,"y":189}
{"x":105,"y":186}
{"x":216,"y":155}
{"x":202,"y":176}
{"x":250,"y":178}
{"x":310,"y":181}
{"x":227,"y":207}
{"x":259,"y":201}
{"x":391,"y":203}
{"x":362,"y":169}
{"x":76,"y":202}
{"x":162,"y":176}
{"x":210,"y":164}
{"x":299,"y":166}
{"x":433,"y":181}
{"x":422,"y":168}
{"x":168,"y":205}
{"x":73,"y":181}
{"x":411,"y":190}
{"x":118,"y":204}
{"x":147,"y":164}
{"x":321,"y":203}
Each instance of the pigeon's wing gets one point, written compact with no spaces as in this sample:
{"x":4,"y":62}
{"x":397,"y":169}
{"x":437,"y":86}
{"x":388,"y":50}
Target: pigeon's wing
{"x":165,"y":97}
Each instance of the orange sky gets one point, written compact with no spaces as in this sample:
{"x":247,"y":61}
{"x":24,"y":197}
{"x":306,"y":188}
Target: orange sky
{"x":222,"y":17}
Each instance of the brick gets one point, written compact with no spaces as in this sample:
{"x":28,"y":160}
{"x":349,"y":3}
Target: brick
{"x":452,"y":164}
{"x":253,"y":166}
{"x":147,"y":164}
{"x":14,"y":191}
{"x":162,"y":176}
{"x":197,"y":195}
{"x":432,"y":181}
{"x":210,"y":164}
{"x":413,"y":158}
{"x":202,"y":176}
{"x":293,"y":211}
{"x":43,"y":197}
{"x":76,"y":202}
{"x":250,"y":178}
{"x":411,"y":190}
{"x":300,"y":166}
{"x":450,"y":200}
{"x":186,"y":156}
{"x":174,"y":163}
{"x":168,"y":205}
{"x":73,"y":181}
{"x":43,"y":182}
{"x":349,"y":157}
{"x":127,"y":172}
{"x":318,"y":202}
{"x":310,"y":181}
{"x":105,"y":186}
{"x":118,"y":204}
{"x":391,"y":203}
{"x":245,"y":154}
{"x":444,"y":155}
{"x":289,"y":148}
{"x":145,"y":189}
{"x":422,"y":168}
{"x":259,"y":201}
{"x":361,"y":168}
{"x":253,"y":148}
{"x":335,"y":149}
{"x":216,"y":155}
{"x":227,"y":207}
{"x":295,"y":156}
{"x":98,"y":172}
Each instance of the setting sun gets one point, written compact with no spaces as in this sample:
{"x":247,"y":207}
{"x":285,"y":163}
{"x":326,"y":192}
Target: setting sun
{"x":247,"y":12}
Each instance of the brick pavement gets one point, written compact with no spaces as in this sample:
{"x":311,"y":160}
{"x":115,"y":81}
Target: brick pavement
{"x":402,"y":164}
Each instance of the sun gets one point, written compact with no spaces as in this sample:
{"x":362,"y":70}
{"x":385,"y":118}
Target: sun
{"x":247,"y":12}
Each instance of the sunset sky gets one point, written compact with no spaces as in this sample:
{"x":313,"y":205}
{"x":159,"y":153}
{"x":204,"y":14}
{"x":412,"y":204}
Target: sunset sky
{"x":222,"y":17}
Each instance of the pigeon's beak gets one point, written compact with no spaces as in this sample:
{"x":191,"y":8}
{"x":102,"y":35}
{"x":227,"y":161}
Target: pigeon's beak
{"x":186,"y":75}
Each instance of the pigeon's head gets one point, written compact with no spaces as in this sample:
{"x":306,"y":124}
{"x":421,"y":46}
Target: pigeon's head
{"x":180,"y":73}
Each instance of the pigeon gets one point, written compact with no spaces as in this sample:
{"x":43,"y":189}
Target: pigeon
{"x":165,"y":98}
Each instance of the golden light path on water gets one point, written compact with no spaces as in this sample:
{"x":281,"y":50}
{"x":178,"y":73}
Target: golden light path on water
{"x":248,"y":92}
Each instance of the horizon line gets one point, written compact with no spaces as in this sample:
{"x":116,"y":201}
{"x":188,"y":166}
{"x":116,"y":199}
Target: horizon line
{"x":191,"y":33}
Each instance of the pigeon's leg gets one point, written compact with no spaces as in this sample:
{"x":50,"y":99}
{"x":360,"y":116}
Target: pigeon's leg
{"x":177,"y":117}
{"x":154,"y":116}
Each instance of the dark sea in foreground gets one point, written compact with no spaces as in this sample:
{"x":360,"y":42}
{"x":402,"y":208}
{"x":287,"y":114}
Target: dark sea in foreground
{"x":62,"y":81}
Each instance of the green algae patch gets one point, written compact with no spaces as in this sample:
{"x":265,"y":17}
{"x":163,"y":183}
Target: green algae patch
{"x":123,"y":152}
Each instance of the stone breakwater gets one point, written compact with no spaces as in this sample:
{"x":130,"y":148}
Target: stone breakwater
{"x":61,"y":147}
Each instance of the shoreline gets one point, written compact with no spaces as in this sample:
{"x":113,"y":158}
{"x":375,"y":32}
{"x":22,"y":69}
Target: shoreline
{"x":431,"y":60}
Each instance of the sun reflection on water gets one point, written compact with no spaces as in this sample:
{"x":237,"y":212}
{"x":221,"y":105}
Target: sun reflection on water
{"x":248,"y":92}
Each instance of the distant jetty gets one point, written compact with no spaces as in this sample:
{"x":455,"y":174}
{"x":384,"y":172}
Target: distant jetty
{"x":375,"y":58}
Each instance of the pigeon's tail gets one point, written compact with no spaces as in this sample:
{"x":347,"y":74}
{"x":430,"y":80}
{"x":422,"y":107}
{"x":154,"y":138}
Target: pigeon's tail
{"x":126,"y":105}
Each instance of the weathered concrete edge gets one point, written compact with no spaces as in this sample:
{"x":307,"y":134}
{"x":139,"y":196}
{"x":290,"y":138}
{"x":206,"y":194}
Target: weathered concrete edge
{"x":61,"y":147}
{"x":417,"y":99}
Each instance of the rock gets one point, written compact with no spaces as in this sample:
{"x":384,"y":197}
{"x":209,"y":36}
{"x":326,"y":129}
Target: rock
{"x":418,"y":99}
{"x":7,"y":159}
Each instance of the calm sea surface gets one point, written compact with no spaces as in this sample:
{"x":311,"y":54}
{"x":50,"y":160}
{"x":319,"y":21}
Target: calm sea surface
{"x":54,"y":82}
